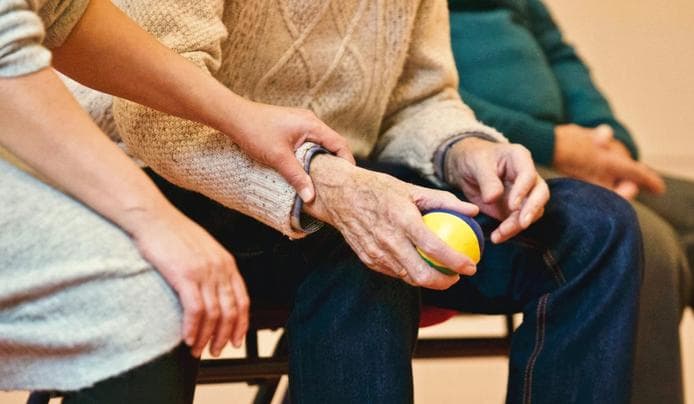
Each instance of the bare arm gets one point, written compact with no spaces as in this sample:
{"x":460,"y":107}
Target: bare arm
{"x":109,"y":52}
{"x":45,"y":127}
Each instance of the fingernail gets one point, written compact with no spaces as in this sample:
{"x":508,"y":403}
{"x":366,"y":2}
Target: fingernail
{"x":471,"y":270}
{"x":527,"y":219}
{"x":516,"y":203}
{"x":305,"y":194}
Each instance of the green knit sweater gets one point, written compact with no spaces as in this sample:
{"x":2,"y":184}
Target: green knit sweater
{"x":520,"y":77}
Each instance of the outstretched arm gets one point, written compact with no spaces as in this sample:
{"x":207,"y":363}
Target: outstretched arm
{"x":109,"y":52}
{"x":198,"y":157}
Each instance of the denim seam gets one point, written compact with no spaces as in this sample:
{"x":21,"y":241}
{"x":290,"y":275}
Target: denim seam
{"x":554,"y":266}
{"x":539,"y":343}
{"x":547,"y":257}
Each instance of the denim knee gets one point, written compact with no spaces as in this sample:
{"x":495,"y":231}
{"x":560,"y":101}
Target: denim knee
{"x":587,"y":204}
{"x":594,"y":221}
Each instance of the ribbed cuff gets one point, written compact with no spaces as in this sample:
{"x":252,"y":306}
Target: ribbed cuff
{"x":299,"y":220}
{"x":27,"y":60}
{"x":442,"y":151}
{"x":61,"y":21}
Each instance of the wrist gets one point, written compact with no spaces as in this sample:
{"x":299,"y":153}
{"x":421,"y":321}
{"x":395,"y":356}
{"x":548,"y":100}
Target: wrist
{"x":562,"y":133}
{"x":229,"y":112}
{"x":452,"y":159}
{"x":330,"y":175}
{"x":137,"y":218}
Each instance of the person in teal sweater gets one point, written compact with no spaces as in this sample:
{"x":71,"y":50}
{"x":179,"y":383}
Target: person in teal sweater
{"x":519,"y":75}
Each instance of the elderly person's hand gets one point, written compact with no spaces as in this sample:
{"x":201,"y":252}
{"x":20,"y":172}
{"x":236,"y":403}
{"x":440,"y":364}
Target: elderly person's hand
{"x":205,"y":276}
{"x":593,"y":155}
{"x":379,"y":217}
{"x":501,"y":179}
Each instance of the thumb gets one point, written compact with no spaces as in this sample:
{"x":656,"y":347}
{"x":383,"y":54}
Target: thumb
{"x":603,"y":134}
{"x":294,"y":173}
{"x":627,"y":189}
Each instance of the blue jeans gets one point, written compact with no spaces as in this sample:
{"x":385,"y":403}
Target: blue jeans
{"x":575,"y":275}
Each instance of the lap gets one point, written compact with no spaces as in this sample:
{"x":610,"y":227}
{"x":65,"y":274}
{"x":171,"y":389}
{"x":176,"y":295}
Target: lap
{"x":74,"y":292}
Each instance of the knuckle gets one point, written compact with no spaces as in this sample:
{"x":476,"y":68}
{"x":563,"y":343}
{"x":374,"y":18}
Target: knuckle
{"x":243,"y":304}
{"x":213,"y":313}
{"x":420,"y":278}
{"x":230,"y":313}
{"x":195,"y":309}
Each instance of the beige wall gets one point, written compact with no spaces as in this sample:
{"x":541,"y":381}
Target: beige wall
{"x":642,"y":56}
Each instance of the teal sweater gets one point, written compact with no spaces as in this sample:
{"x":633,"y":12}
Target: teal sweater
{"x":519,"y":75}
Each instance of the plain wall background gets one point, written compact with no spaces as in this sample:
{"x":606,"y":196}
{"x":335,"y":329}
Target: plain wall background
{"x":642,"y":56}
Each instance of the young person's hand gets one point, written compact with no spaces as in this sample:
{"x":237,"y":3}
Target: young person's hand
{"x":174,"y":85}
{"x":271,"y":134}
{"x":209,"y":285}
{"x":46,"y":128}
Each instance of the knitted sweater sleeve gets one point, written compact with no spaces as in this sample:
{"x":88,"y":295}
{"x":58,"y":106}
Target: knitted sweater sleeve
{"x":189,"y":154}
{"x":26,"y":32}
{"x":425,"y":110}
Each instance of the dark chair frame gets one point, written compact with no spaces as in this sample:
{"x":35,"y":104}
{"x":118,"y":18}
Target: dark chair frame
{"x":267,"y":371}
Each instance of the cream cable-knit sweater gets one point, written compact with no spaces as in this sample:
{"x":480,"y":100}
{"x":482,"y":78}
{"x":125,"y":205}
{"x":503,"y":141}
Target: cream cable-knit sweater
{"x":381,"y":73}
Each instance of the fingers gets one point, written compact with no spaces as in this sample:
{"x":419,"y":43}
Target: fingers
{"x":233,"y":303}
{"x":530,"y":211}
{"x":193,"y":307}
{"x":210,"y":318}
{"x":638,"y":173}
{"x":396,"y":256}
{"x":242,"y":307}
{"x":227,"y":319}
{"x":534,"y":205}
{"x":523,"y":175}
{"x":296,"y":176}
{"x":507,"y":228}
{"x":429,"y":199}
{"x":524,"y":183}
{"x":603,"y":135}
{"x":419,"y":273}
{"x":627,"y":189}
{"x":331,"y":140}
{"x":490,"y":185}
{"x":435,"y":248}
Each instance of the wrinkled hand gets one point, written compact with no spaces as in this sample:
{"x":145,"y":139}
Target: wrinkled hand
{"x":271,"y":134}
{"x":205,"y":276}
{"x":593,"y":155}
{"x":501,"y":179}
{"x":379,"y":217}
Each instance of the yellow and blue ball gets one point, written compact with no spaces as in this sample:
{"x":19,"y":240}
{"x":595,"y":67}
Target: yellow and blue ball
{"x":462,"y":233}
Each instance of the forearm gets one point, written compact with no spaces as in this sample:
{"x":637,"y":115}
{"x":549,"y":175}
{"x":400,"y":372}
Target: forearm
{"x":45,"y":127}
{"x":109,"y":52}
